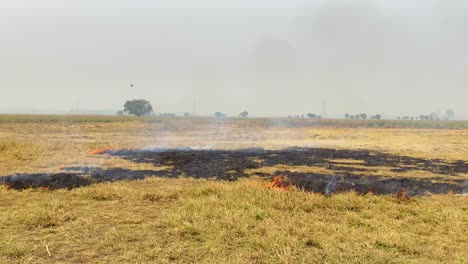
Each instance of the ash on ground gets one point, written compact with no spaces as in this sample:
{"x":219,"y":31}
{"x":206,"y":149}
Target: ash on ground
{"x":232,"y":164}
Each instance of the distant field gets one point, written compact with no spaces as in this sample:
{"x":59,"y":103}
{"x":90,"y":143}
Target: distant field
{"x":173,"y":216}
{"x":286,"y":122}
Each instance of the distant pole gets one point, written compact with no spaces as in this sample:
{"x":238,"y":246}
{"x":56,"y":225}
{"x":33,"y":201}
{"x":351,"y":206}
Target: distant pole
{"x":194,"y":106}
{"x":195,"y":99}
{"x":323,"y":113}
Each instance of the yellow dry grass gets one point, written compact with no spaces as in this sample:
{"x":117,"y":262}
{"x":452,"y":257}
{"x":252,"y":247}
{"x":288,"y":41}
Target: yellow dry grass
{"x":281,"y":167}
{"x":187,"y":220}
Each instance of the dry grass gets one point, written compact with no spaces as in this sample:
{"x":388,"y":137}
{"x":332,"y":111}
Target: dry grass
{"x":187,"y":220}
{"x":281,"y":167}
{"x":379,"y":171}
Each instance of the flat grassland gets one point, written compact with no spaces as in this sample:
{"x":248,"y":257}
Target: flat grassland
{"x":161,"y":220}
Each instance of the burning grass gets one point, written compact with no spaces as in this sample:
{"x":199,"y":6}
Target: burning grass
{"x":103,"y":150}
{"x":100,"y":151}
{"x":303,"y":170}
{"x":281,"y":183}
{"x":204,"y":220}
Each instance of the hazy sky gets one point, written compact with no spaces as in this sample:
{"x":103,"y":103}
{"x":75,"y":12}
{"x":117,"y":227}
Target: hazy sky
{"x":272,"y":58}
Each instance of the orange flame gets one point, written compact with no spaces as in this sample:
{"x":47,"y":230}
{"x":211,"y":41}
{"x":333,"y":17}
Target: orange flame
{"x":102,"y":150}
{"x":402,"y":195}
{"x":280,"y":183}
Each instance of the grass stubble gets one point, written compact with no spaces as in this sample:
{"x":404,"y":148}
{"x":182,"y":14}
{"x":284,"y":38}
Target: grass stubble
{"x":184,"y":220}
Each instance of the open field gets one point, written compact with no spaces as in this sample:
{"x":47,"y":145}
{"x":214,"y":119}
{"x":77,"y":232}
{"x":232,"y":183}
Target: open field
{"x":180,"y":212}
{"x":291,"y":122}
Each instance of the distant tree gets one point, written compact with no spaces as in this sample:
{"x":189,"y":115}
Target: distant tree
{"x":378,"y":116}
{"x":449,"y":114}
{"x":434,"y":116}
{"x":363,"y":116}
{"x":310,"y":115}
{"x":302,"y":116}
{"x":357,"y":116}
{"x":289,"y":116}
{"x":187,"y":114}
{"x":138,"y":107}
{"x":167,"y":115}
{"x":244,"y":114}
{"x":351,"y":116}
{"x":219,"y":114}
{"x":412,"y":118}
{"x":398,"y":118}
{"x":346,"y":116}
{"x":120,"y":113}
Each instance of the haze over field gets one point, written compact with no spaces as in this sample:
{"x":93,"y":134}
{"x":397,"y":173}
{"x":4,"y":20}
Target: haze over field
{"x":271,"y":58}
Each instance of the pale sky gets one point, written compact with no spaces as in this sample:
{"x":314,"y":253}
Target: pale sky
{"x":271,"y":58}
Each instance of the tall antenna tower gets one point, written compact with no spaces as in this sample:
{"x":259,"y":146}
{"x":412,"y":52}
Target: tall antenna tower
{"x":323,"y":113}
{"x":195,"y":99}
{"x":194,"y":106}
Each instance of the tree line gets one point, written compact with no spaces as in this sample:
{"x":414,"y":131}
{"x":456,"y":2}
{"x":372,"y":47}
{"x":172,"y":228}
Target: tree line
{"x":362,"y":116}
{"x":433,"y":116}
{"x":142,"y":107}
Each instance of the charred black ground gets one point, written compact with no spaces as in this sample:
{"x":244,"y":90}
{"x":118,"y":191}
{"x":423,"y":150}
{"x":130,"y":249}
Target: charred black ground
{"x":232,"y":164}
